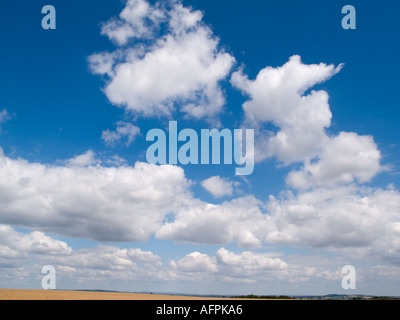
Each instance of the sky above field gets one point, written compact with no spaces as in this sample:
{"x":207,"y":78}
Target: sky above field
{"x":77,"y":190}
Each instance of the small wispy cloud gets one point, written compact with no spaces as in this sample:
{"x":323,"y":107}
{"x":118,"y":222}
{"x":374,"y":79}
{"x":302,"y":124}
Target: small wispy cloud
{"x":124,"y":132}
{"x":4,"y":116}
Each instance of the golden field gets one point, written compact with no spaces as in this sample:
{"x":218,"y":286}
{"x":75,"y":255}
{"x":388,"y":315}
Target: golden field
{"x":17,"y":294}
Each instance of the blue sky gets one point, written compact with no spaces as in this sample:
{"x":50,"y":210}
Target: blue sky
{"x":76,"y":103}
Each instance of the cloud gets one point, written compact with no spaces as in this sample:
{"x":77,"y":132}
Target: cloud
{"x":347,"y":219}
{"x":120,"y":203}
{"x":125,"y":131}
{"x":17,"y":245}
{"x":22,"y":256}
{"x":218,"y":187}
{"x":239,"y":220}
{"x":137,"y":20}
{"x":279,"y":96}
{"x":86,"y":199}
{"x":110,"y":259}
{"x":27,"y":253}
{"x":249,"y":262}
{"x":102,"y":263}
{"x":227,"y":266}
{"x":196,"y":262}
{"x":102,"y":63}
{"x":4,"y":116}
{"x":83,"y":160}
{"x":115,"y":161}
{"x":343,"y":159}
{"x":330,"y":208}
{"x":182,"y":67}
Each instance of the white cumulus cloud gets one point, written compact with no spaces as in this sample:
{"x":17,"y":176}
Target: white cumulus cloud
{"x":354,"y":221}
{"x":218,"y":186}
{"x":228,"y":266}
{"x":181,"y":67}
{"x":120,"y":203}
{"x":344,"y":159}
{"x":278,"y":96}
{"x":23,"y":255}
{"x":14,"y":244}
{"x":239,"y":220}
{"x":196,"y":262}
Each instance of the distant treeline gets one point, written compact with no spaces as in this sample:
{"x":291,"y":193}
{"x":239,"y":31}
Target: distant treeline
{"x":327,"y":297}
{"x":384,"y":298}
{"x":253,"y":296}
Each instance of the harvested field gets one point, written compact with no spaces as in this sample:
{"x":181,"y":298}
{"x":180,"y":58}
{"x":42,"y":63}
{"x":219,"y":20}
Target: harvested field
{"x":16,"y":294}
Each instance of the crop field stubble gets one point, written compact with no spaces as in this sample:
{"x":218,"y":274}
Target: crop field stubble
{"x":18,"y":294}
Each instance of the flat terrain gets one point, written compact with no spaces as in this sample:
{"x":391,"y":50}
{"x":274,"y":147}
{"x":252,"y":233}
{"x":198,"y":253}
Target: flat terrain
{"x":16,"y":294}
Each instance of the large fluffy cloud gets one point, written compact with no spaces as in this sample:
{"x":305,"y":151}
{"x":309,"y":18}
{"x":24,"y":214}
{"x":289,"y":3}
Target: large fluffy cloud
{"x":329,"y":206}
{"x":24,"y":255}
{"x":278,"y":96}
{"x":228,"y":266}
{"x":86,"y":199}
{"x":355,"y":221}
{"x":109,"y":262}
{"x":343,"y":159}
{"x":346,"y":219}
{"x":182,"y":66}
{"x":15,"y":245}
{"x":239,"y":220}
